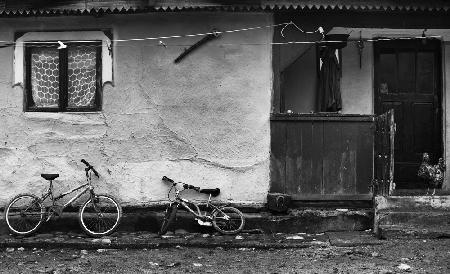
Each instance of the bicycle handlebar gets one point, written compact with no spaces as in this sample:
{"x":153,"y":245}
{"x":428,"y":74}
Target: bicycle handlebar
{"x":167,"y":179}
{"x":185,"y":186}
{"x":89,"y":167}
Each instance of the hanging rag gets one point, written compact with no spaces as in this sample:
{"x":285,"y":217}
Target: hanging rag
{"x":329,"y":88}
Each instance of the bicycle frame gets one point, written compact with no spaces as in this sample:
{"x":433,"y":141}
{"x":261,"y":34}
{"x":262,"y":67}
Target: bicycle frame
{"x":87,"y":187}
{"x":184,"y":202}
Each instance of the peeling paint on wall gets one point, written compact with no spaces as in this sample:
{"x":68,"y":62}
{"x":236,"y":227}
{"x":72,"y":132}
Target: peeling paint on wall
{"x":204,"y":121}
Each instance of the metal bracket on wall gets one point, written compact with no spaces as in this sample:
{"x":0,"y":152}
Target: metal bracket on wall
{"x":214,"y":34}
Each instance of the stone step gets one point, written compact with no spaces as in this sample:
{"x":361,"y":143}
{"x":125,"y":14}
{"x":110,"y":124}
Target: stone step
{"x":412,"y":203}
{"x":415,"y":218}
{"x":424,"y":216}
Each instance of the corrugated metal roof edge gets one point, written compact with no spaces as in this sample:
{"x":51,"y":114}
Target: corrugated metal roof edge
{"x":247,"y":8}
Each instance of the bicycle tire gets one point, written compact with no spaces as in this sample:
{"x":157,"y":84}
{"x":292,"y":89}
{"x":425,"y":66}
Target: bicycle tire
{"x":32,"y":208}
{"x":169,"y":215}
{"x":225,"y":223}
{"x":100,"y":217}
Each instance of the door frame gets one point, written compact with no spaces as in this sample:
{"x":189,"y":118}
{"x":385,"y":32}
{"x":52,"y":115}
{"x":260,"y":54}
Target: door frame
{"x":441,"y":99}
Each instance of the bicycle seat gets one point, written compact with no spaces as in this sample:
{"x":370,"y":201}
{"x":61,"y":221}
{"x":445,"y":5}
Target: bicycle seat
{"x":49,"y":176}
{"x":213,"y":191}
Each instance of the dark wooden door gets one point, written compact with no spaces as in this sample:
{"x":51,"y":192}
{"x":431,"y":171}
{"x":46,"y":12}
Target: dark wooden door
{"x":408,"y":80}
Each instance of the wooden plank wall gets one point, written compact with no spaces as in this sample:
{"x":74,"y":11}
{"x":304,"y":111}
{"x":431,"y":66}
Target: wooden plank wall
{"x":322,"y":159}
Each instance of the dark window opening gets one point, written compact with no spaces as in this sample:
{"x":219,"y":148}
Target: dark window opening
{"x":63,"y":80}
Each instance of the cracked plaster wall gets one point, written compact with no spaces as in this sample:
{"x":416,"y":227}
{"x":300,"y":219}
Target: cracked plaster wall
{"x":204,"y":121}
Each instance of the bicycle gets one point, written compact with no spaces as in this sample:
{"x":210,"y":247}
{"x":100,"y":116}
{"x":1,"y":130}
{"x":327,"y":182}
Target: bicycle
{"x":98,"y":216}
{"x":226,"y":220}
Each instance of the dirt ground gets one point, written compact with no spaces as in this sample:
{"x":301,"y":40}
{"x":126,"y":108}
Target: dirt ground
{"x":393,"y":256}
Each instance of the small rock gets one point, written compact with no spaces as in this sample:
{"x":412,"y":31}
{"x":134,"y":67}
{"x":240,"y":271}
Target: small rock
{"x":101,"y":250}
{"x":20,"y":249}
{"x":246,"y":249}
{"x":84,"y":252}
{"x":239,"y":237}
{"x":197,"y":265}
{"x":106,"y":241}
{"x":296,"y":237}
{"x":404,"y":267}
{"x":179,"y":247}
{"x":173,"y":264}
{"x":375,"y":254}
{"x":10,"y":249}
{"x":153,"y":264}
{"x":167,"y":236}
{"x":181,"y":231}
{"x":342,"y":209}
{"x":385,"y":271}
{"x":205,"y":235}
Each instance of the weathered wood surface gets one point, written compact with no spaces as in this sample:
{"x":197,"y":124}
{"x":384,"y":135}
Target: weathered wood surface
{"x":328,"y":158}
{"x":384,"y":154}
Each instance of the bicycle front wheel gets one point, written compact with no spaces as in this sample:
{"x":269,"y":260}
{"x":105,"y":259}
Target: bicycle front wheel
{"x":24,"y":214}
{"x":171,"y":212}
{"x":228,"y":220}
{"x":100,"y":216}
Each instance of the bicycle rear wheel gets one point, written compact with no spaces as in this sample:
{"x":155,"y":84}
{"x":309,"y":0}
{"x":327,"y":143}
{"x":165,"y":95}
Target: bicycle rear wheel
{"x":171,"y":212}
{"x":24,"y":214}
{"x":228,"y":220}
{"x":100,"y":216}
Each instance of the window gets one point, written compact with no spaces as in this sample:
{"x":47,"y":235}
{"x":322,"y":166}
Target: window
{"x":67,"y":79}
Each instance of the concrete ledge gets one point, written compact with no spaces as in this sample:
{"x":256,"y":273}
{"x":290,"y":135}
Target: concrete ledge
{"x":306,"y":221}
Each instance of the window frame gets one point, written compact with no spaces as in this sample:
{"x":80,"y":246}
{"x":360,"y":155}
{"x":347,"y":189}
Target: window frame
{"x":63,"y":77}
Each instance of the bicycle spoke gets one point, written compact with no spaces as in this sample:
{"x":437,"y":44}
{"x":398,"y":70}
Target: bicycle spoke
{"x":100,"y":215}
{"x":23,"y":214}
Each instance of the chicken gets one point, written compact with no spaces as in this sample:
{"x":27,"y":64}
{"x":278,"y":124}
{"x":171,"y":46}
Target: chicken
{"x":434,"y":174}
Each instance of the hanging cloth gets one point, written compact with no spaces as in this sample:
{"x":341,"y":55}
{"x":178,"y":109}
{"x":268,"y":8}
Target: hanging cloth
{"x":329,"y":88}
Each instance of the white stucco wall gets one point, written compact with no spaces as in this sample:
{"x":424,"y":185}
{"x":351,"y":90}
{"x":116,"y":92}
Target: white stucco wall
{"x":204,"y":121}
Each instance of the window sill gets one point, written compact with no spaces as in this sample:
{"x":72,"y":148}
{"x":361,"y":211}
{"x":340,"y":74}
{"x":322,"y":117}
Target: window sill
{"x":92,"y":118}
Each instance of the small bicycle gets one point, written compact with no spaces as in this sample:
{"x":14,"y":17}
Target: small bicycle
{"x":98,"y":216}
{"x":226,"y":220}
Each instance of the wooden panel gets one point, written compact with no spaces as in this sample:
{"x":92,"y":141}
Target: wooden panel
{"x":401,"y":139}
{"x":278,"y":157}
{"x":304,"y":157}
{"x":426,"y":72}
{"x":332,"y":168}
{"x":321,"y":117}
{"x":349,"y":135}
{"x":364,"y":158}
{"x":323,"y":159}
{"x":423,"y":128}
{"x":406,"y":72}
{"x":387,"y":73}
{"x":384,"y":153}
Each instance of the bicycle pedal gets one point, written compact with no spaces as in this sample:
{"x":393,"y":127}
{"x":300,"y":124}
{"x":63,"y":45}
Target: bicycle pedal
{"x":200,"y":222}
{"x":49,"y":216}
